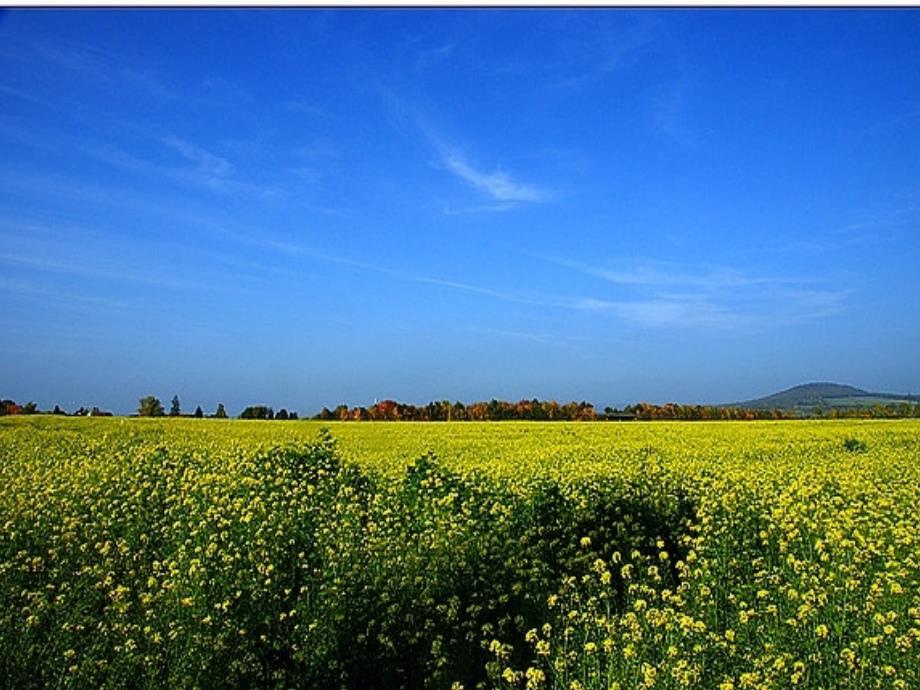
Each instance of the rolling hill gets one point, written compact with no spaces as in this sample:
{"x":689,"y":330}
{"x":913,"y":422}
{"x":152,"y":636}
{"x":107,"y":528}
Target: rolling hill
{"x":810,"y":396}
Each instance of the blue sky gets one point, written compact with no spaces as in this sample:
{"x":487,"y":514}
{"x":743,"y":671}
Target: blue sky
{"x":301,"y":208}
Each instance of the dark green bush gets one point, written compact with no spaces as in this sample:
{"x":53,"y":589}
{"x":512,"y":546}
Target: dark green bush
{"x":854,"y":445}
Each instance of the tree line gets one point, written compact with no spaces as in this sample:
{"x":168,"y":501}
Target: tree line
{"x":493,"y":410}
{"x":11,"y":407}
{"x":550,"y":410}
{"x":539,"y":410}
{"x":446,"y":411}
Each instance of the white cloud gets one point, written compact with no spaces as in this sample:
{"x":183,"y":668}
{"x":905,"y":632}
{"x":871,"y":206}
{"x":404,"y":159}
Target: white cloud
{"x":664,"y":312}
{"x":499,"y":185}
{"x":660,"y":275}
{"x":205,"y":162}
{"x":656,"y":294}
{"x":212,"y":171}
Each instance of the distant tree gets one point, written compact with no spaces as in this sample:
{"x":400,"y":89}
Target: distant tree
{"x":9,"y":407}
{"x":384,"y":410}
{"x":199,"y":413}
{"x":97,"y":412}
{"x":282,"y":414}
{"x":293,"y":415}
{"x":57,"y":410}
{"x":30,"y":408}
{"x":174,"y":408}
{"x":458,"y":411}
{"x":149,"y":407}
{"x":477,"y":411}
{"x":494,"y":410}
{"x":538,"y":411}
{"x":257,"y":412}
{"x":82,"y":411}
{"x":220,"y":412}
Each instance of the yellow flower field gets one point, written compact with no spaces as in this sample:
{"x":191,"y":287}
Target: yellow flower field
{"x":210,"y":553}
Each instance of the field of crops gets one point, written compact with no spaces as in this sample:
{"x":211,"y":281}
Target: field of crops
{"x":208,"y":553}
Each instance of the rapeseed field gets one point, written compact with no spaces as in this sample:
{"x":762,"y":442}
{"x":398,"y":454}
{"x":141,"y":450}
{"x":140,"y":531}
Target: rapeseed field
{"x":211,"y":554}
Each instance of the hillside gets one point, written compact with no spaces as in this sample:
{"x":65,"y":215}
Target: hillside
{"x":825,"y":395}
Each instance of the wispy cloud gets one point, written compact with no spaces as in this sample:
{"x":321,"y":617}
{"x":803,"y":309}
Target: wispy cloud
{"x":429,"y":56}
{"x":497,"y":184}
{"x":29,"y":97}
{"x":668,"y":110}
{"x":668,"y":275}
{"x":66,"y":298}
{"x":578,"y":51}
{"x":564,"y":341}
{"x":201,"y":167}
{"x":481,"y":208}
{"x":101,"y":67}
{"x":879,"y":224}
{"x":213,"y":169}
{"x":102,"y":260}
{"x":177,"y":159}
{"x":667,"y":312}
{"x":648,"y":296}
{"x":84,"y":268}
{"x":589,"y":64}
{"x":884,"y":227}
{"x":42,"y":259}
{"x":197,"y":167}
{"x":298,"y":250}
{"x":805,"y":305}
{"x":658,"y":294}
{"x":117,"y":158}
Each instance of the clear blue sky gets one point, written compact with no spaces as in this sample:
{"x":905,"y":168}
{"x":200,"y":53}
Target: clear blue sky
{"x":302,"y":208}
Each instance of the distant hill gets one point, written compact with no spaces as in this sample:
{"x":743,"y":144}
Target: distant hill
{"x":810,"y":396}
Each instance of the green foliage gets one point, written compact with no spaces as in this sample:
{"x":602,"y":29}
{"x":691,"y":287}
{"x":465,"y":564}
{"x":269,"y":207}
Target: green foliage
{"x":257,"y":412}
{"x":150,"y":406}
{"x":854,"y":445}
